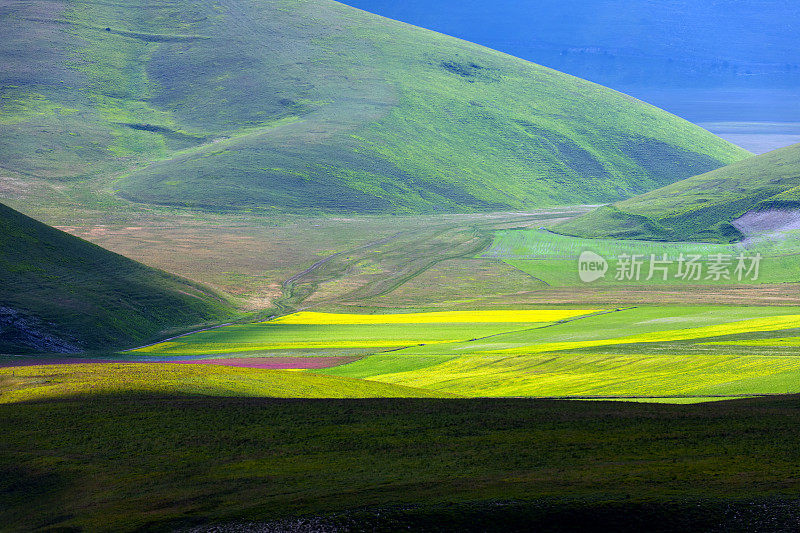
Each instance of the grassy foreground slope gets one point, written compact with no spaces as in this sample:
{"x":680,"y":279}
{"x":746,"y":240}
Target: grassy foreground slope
{"x":149,"y":463}
{"x":313,"y":106}
{"x":62,"y":294}
{"x":703,"y":207}
{"x":43,"y":382}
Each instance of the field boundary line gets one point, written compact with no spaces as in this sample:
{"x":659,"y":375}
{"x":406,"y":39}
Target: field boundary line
{"x":556,"y":323}
{"x":179,"y":336}
{"x":476,"y":339}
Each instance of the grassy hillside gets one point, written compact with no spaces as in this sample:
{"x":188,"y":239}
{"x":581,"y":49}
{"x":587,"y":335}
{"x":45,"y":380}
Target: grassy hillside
{"x":702,"y":207}
{"x":62,"y":294}
{"x":313,"y":106}
{"x":150,"y":463}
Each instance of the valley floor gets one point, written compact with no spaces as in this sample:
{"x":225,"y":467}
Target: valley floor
{"x":418,"y":360}
{"x":654,"y":353}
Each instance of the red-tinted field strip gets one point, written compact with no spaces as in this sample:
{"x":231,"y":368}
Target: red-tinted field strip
{"x":275,"y":363}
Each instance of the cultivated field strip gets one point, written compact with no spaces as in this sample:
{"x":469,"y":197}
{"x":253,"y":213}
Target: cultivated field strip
{"x":544,"y":244}
{"x":679,"y":354}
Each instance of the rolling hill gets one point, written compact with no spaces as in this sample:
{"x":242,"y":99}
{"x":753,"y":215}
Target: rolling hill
{"x":314,"y":107}
{"x":760,"y":193}
{"x":62,"y":294}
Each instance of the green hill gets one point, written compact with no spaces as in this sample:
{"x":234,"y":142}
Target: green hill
{"x":312,"y":106}
{"x":705,"y":207}
{"x":62,"y":294}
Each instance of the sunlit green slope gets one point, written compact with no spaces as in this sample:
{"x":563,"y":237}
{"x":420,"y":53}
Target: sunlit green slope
{"x":705,"y":207}
{"x":59,"y":293}
{"x":63,"y":381}
{"x":313,"y":106}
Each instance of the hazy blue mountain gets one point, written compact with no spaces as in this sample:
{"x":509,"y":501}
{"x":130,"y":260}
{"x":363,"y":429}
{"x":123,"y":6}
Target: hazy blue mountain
{"x":709,"y":62}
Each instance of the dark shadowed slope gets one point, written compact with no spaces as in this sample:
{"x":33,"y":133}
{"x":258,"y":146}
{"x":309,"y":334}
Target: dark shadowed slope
{"x":59,"y":293}
{"x":762,"y":192}
{"x":168,"y":463}
{"x":313,"y":106}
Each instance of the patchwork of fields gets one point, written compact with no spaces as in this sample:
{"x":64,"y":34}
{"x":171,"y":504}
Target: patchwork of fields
{"x":639,"y":352}
{"x":674,"y":354}
{"x":323,"y":334}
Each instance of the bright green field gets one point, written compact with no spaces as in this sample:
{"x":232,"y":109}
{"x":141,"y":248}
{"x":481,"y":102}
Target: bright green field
{"x":259,"y":338}
{"x":553,"y":258}
{"x":542,"y":244}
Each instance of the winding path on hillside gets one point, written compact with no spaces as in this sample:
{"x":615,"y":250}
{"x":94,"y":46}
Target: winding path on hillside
{"x":420,"y":252}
